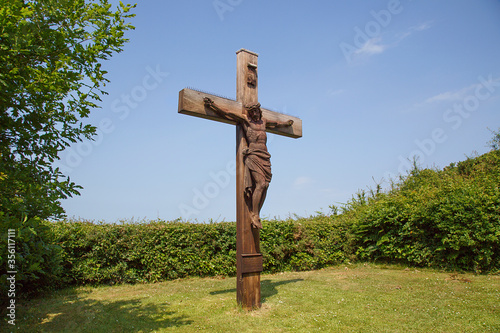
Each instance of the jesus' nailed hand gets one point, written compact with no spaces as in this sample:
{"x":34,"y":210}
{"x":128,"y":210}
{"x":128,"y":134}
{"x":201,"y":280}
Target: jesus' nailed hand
{"x":256,"y":158}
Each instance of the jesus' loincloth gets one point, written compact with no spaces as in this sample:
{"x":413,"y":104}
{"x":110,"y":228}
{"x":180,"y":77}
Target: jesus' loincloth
{"x":259,"y":161}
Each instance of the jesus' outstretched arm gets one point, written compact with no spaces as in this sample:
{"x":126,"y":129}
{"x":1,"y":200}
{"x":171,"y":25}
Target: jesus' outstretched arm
{"x":222,"y":113}
{"x":277,"y":124}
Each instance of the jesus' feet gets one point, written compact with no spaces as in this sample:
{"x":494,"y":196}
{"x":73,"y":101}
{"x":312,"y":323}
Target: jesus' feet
{"x":255,"y":220}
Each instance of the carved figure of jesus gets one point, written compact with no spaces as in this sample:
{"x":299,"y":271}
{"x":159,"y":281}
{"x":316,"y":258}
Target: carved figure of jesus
{"x":256,"y":158}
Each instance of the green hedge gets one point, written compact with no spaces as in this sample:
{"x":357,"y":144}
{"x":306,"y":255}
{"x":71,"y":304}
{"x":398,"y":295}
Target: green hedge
{"x":303,"y":244}
{"x":448,"y":219}
{"x":158,"y":250}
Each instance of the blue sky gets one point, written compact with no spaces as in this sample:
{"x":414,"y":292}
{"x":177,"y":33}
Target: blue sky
{"x":374,"y":82}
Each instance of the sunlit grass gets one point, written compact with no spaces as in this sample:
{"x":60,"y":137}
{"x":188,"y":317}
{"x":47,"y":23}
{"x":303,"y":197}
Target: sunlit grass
{"x":357,"y":298}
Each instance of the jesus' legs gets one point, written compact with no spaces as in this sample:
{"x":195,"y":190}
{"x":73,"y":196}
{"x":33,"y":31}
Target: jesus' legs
{"x":258,"y":196}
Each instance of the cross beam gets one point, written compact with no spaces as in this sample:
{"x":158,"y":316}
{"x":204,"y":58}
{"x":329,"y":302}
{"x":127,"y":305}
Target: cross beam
{"x":191,"y":102}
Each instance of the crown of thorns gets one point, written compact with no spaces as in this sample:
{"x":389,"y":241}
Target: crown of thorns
{"x":254,"y":107}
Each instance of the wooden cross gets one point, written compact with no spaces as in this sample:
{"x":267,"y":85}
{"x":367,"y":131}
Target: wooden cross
{"x":193,"y":103}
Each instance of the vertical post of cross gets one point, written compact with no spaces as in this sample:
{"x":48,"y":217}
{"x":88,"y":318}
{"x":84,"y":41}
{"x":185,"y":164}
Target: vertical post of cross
{"x":207,"y":106}
{"x":248,"y":256}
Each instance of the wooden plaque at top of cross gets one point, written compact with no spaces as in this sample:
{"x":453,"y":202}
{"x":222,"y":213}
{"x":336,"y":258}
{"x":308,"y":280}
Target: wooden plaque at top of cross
{"x":253,"y":166}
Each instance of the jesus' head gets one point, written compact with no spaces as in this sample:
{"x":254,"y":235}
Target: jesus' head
{"x":254,"y":112}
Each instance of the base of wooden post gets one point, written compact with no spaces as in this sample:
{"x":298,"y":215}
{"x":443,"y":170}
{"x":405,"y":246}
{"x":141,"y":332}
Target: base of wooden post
{"x":250,"y":298}
{"x":248,"y":284}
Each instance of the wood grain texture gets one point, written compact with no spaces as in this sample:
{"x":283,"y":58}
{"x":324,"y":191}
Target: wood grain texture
{"x":252,"y":263}
{"x":251,"y":298}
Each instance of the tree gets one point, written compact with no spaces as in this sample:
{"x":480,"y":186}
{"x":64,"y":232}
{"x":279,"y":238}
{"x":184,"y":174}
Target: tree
{"x":51,"y":76}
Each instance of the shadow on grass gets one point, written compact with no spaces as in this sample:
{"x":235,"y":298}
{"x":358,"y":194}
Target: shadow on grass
{"x":74,"y":314}
{"x":267,"y":288}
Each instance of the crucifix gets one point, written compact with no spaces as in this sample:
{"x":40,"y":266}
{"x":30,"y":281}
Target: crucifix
{"x":253,"y":166}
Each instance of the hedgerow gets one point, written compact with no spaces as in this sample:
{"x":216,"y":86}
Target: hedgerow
{"x":447,"y":219}
{"x":143,"y":252}
{"x":160,"y":250}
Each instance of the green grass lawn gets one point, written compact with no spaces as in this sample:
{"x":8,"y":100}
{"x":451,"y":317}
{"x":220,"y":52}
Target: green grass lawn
{"x":356,"y":298}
